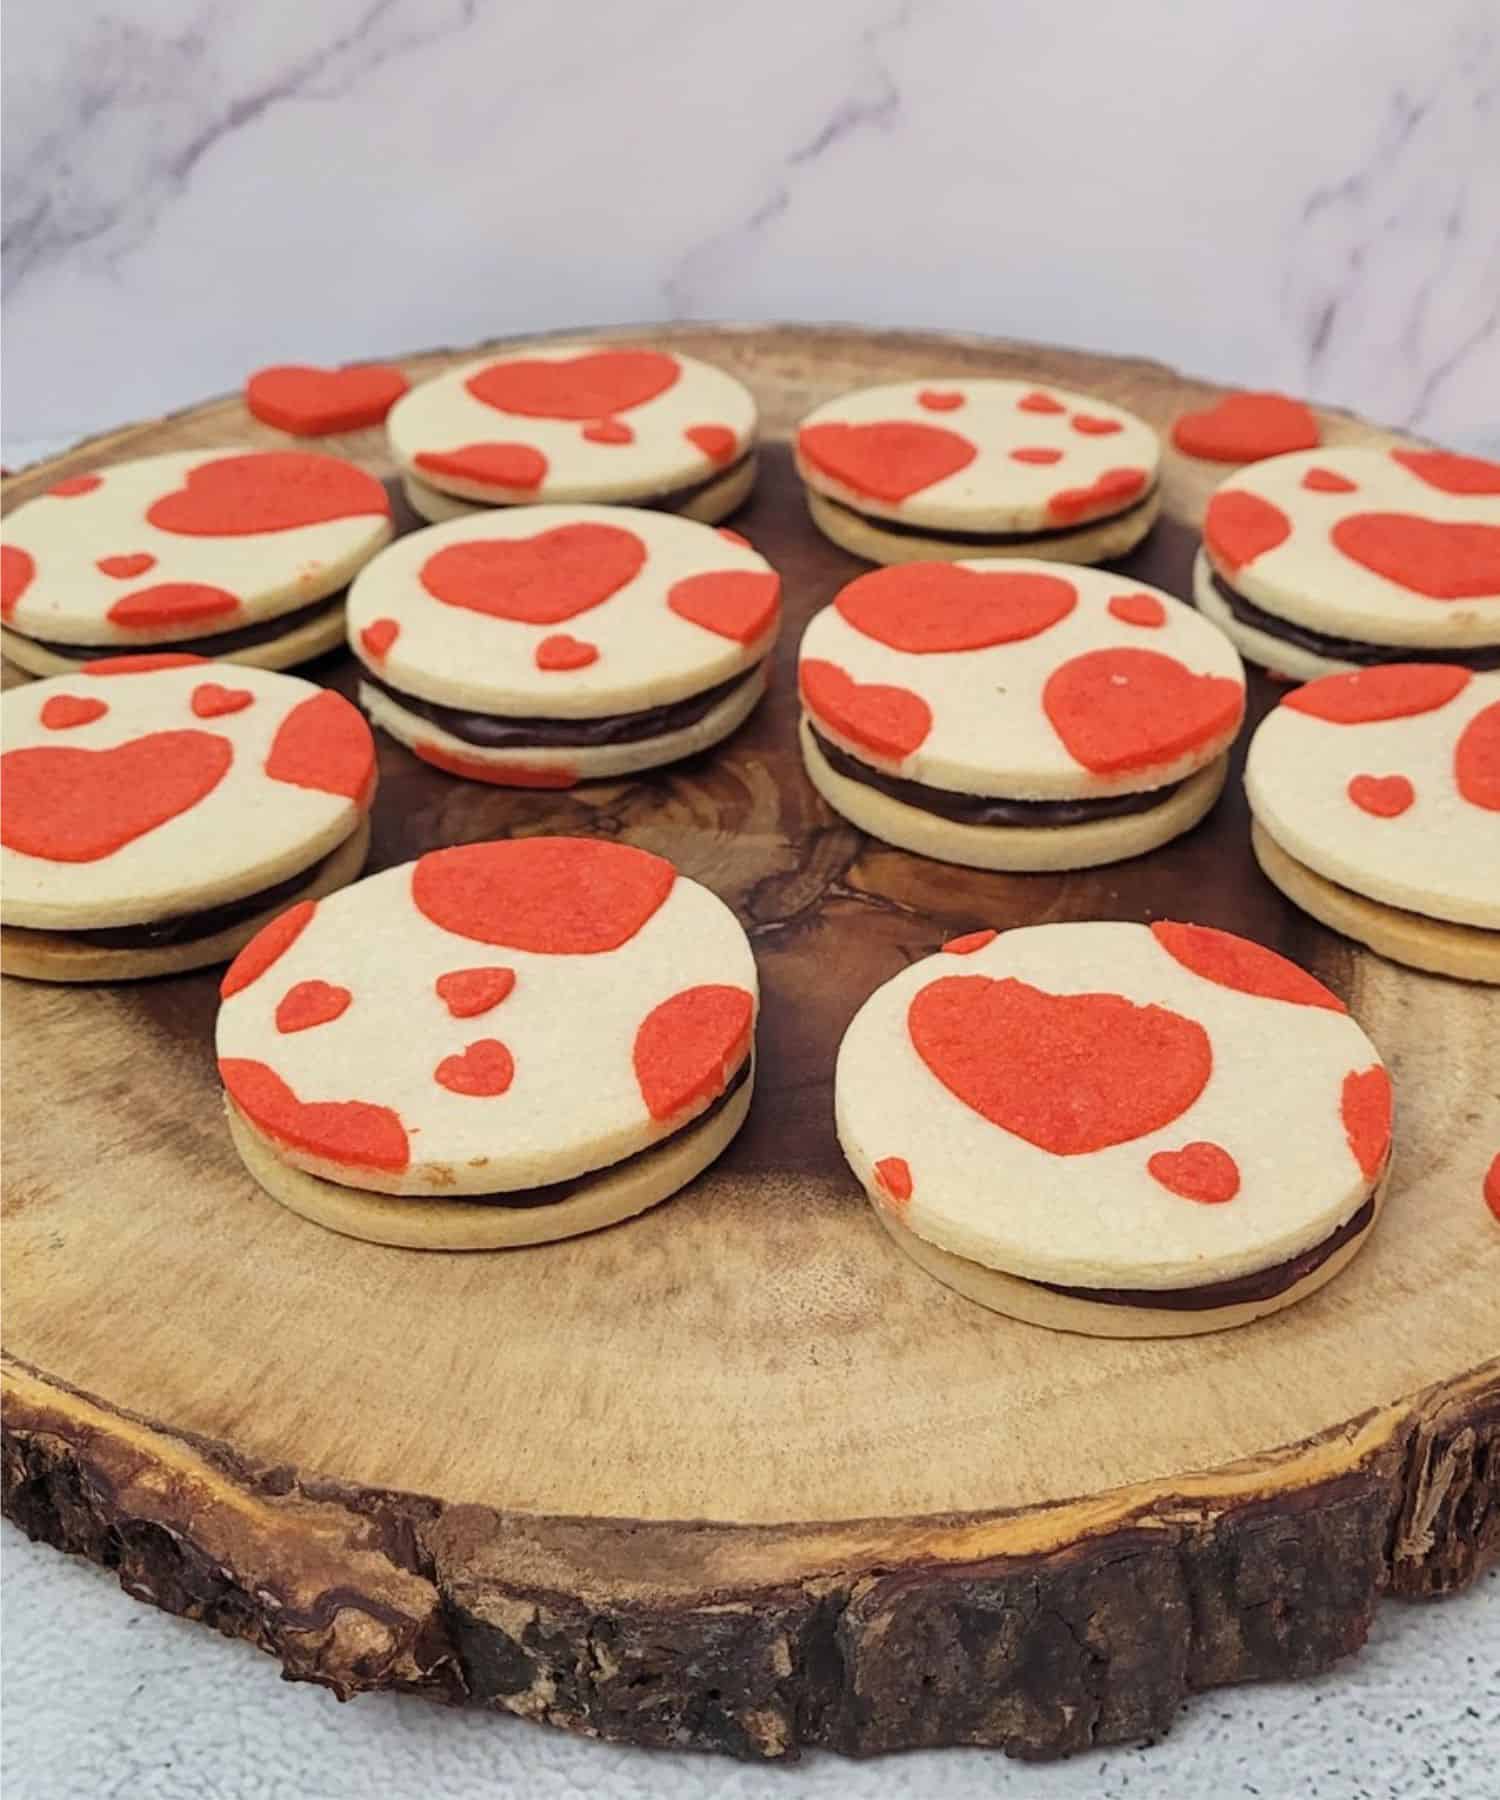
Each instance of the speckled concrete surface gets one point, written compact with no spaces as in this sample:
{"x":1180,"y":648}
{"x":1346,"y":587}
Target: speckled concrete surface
{"x":105,"y":1699}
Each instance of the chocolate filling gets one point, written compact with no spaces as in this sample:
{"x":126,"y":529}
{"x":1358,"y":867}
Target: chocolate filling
{"x":946,"y":535}
{"x":1342,"y":649}
{"x":498,"y":731}
{"x":986,"y":809}
{"x":262,"y":632}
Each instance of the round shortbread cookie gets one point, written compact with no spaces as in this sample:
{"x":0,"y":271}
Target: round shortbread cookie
{"x":707,"y":505}
{"x":566,"y":422}
{"x":1384,"y":547}
{"x":1086,"y":1105}
{"x":984,"y":456}
{"x":186,"y":546}
{"x":1101,"y":542}
{"x":148,"y":788}
{"x":489,"y":1019}
{"x":1387,"y":782}
{"x":315,"y":635}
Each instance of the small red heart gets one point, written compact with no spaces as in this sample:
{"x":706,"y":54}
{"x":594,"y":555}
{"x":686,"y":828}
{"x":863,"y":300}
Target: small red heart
{"x":172,"y":603}
{"x":539,"y":580}
{"x":1384,"y":796}
{"x":1038,"y":402}
{"x":562,"y":652}
{"x":687,"y":1048}
{"x":717,"y":442}
{"x":1476,"y":761}
{"x":1199,"y":1171}
{"x":887,"y":461}
{"x":17,"y":571}
{"x":73,"y":485}
{"x":469,"y":992}
{"x":516,"y":466}
{"x":69,"y":805}
{"x":482,"y":1071}
{"x":63,"y":711}
{"x":1328,"y":481}
{"x":969,"y":942}
{"x":211,"y":701}
{"x":1138,"y":609}
{"x":1041,"y":457}
{"x":267,"y":490}
{"x":1451,"y":474}
{"x":1238,"y":527}
{"x":1122,"y":709}
{"x":126,"y":568}
{"x":933,"y":607}
{"x":1093,"y":425}
{"x":890,"y":721}
{"x":1113,"y":489}
{"x":1439,"y":559}
{"x":311,"y":402}
{"x":311,"y":1003}
{"x":740,"y":604}
{"x":592,"y":386}
{"x":378,"y":636}
{"x":608,"y":431}
{"x":894,"y":1175}
{"x":1247,"y":427}
{"x":940,"y":399}
{"x":342,"y":1131}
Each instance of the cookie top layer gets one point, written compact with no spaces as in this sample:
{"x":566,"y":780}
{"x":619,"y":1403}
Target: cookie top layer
{"x":1387,"y":780}
{"x":978,"y":455}
{"x":187,"y":545}
{"x":147,"y":786}
{"x":1021,"y":679}
{"x":1087,"y":1104}
{"x":564,"y":611}
{"x":573,"y":422}
{"x":487,"y":1018}
{"x":1388,"y":546}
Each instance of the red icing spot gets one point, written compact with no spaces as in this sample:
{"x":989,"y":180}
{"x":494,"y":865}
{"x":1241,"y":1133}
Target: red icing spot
{"x":894,"y":1175}
{"x":1436,"y":558}
{"x":311,"y":1003}
{"x":741,"y":604}
{"x":16,"y":572}
{"x":562,"y":652}
{"x":1041,"y":457}
{"x":267,"y":490}
{"x":1328,"y":481}
{"x":1138,"y":609}
{"x":378,"y":636}
{"x":1238,"y":527}
{"x":687,"y":1048}
{"x":885,"y":461}
{"x":1476,"y":761}
{"x":73,"y":485}
{"x":352,"y":1132}
{"x":211,"y":701}
{"x":1236,"y":962}
{"x":1199,"y":1171}
{"x":1120,"y":709}
{"x":717,"y":442}
{"x":269,"y":943}
{"x":609,"y":431}
{"x":891,"y":721}
{"x":1247,"y":427}
{"x":1038,"y":402}
{"x":1385,"y":796}
{"x":539,"y":580}
{"x":969,"y":942}
{"x":1449,"y":473}
{"x":734,"y":537}
{"x":490,"y":465}
{"x":591,"y":386}
{"x":311,"y":402}
{"x":938,"y":606}
{"x":144,"y":664}
{"x":482,"y":1071}
{"x":63,"y":711}
{"x":70,"y":805}
{"x":469,"y":992}
{"x":1365,"y":1105}
{"x":940,"y":399}
{"x":1070,"y":1073}
{"x":517,"y":775}
{"x":1492,"y":1187}
{"x":556,"y":896}
{"x":1393,"y":691}
{"x":1091,"y":425}
{"x":324,"y":743}
{"x":1108,"y":494}
{"x":173,"y":603}
{"x":126,"y":568}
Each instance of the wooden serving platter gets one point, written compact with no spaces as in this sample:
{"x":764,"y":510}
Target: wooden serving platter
{"x":737,"y":1475}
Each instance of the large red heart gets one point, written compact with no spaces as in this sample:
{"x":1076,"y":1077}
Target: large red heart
{"x":1365,"y":696}
{"x":17,"y":571}
{"x":517,"y":466}
{"x":324,"y":743}
{"x":1451,"y":474}
{"x":887,"y":461}
{"x":924,"y":607}
{"x":539,"y":580}
{"x":1070,"y":1073}
{"x":1441,"y":560}
{"x":734,"y":603}
{"x":71,"y":805}
{"x":687,"y":1048}
{"x":1121,"y":709}
{"x":267,"y":490}
{"x":1246,"y":427}
{"x":890,"y":721}
{"x":1113,"y":490}
{"x":311,"y":402}
{"x":172,"y":603}
{"x":341,"y":1131}
{"x":578,"y":387}
{"x":1476,"y":760}
{"x":1238,"y":527}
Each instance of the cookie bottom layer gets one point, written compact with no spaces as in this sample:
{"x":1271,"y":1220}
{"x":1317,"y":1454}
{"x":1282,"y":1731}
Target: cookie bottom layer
{"x":314,"y":637}
{"x":1468,"y":952}
{"x":708,"y":503}
{"x":1014,"y":848}
{"x":1097,"y":541}
{"x":620,"y":1193}
{"x":60,"y":956}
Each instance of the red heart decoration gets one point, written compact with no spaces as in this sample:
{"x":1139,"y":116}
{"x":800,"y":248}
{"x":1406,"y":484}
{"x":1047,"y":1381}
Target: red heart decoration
{"x":1092,"y":425}
{"x":73,"y":485}
{"x":1365,"y":1104}
{"x":1383,"y":796}
{"x":1038,"y":402}
{"x":269,"y":943}
{"x":506,"y":774}
{"x":377,"y":637}
{"x":888,"y":461}
{"x":211,"y":701}
{"x":741,"y":604}
{"x":890,"y":721}
{"x":342,"y":1131}
{"x":310,"y":402}
{"x":63,"y":711}
{"x":1070,"y":1073}
{"x":1476,"y":760}
{"x":1247,"y":427}
{"x":267,"y":490}
{"x":1436,"y":558}
{"x":1328,"y":481}
{"x":591,"y":386}
{"x":926,"y":607}
{"x":1238,"y":527}
{"x":324,"y":743}
{"x":894,"y":1175}
{"x":517,"y":466}
{"x":311,"y":1003}
{"x":469,"y":992}
{"x":563,"y":652}
{"x":608,"y":431}
{"x":1040,"y":456}
{"x":483,"y":1071}
{"x":1365,"y":696}
{"x":1240,"y":963}
{"x":717,"y":442}
{"x":1199,"y":1171}
{"x":1113,"y":489}
{"x":969,"y":942}
{"x":172,"y":603}
{"x":687,"y":1048}
{"x":1138,"y":609}
{"x":1451,"y":474}
{"x":70,"y":805}
{"x":940,"y":399}
{"x":17,"y":570}
{"x":126,"y":568}
{"x":539,"y":580}
{"x":1121,"y":709}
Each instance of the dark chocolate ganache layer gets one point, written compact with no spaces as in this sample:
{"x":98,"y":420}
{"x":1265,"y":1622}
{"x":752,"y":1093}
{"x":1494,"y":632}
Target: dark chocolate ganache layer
{"x":676,"y":498}
{"x":221,"y":643}
{"x":944,"y":534}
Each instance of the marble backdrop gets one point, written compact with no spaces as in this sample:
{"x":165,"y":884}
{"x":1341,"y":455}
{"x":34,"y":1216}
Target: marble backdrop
{"x":1303,"y":193}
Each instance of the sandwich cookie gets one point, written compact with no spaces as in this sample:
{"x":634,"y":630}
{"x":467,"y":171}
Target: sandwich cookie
{"x":498,"y":1044}
{"x":1376,"y":804}
{"x":542,"y":646}
{"x":1067,"y":1123}
{"x":623,"y":425}
{"x":235,"y":554}
{"x":1337,"y":559}
{"x":920,"y":470}
{"x":1010,"y":715}
{"x":157,"y":810}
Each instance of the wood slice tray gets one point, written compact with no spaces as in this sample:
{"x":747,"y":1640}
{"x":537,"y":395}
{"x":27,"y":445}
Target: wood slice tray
{"x":737,"y":1475}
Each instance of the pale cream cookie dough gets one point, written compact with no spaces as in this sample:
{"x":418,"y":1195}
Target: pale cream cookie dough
{"x":1016,"y":715}
{"x":156,"y":810}
{"x":1068,"y":1123}
{"x":510,"y":1041}
{"x":1377,"y":794}
{"x":574,"y":422}
{"x":235,"y":554}
{"x":541,"y":646}
{"x":953,"y":469}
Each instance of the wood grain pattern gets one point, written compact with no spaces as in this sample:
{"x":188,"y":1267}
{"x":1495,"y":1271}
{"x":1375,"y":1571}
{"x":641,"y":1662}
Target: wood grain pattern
{"x":737,"y":1475}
